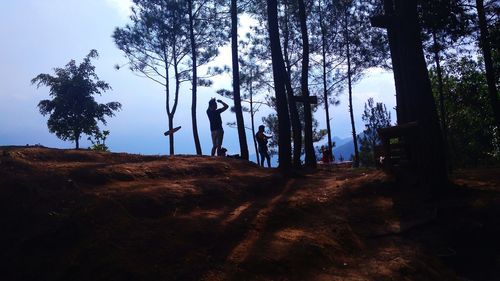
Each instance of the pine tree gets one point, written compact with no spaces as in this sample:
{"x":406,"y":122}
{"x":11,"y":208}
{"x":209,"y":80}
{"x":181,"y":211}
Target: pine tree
{"x":157,"y":43}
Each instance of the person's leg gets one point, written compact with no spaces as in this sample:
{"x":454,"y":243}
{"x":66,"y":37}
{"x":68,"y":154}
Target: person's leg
{"x":221,"y":138}
{"x":268,"y":158}
{"x":218,"y":141}
{"x":214,"y":142}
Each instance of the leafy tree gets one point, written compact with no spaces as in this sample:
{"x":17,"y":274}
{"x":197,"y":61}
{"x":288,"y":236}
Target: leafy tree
{"x":156,"y":44}
{"x":270,"y":122}
{"x":445,"y":29}
{"x":99,"y":141}
{"x":375,"y":117}
{"x":73,"y":110}
{"x":472,"y":138}
{"x":488,"y":48}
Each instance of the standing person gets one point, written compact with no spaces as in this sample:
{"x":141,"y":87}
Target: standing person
{"x":216,"y":124}
{"x":262,"y":141}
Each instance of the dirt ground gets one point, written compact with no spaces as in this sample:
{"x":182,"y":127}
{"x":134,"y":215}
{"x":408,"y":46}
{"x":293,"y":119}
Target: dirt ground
{"x":83,"y":215}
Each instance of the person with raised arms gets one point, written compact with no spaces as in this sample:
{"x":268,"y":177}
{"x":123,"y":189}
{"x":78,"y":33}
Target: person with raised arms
{"x":216,"y":124}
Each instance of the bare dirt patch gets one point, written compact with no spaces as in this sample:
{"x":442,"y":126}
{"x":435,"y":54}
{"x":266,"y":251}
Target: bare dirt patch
{"x":82,"y":215}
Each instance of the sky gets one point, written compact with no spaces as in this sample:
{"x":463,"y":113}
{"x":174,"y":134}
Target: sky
{"x":38,"y":36}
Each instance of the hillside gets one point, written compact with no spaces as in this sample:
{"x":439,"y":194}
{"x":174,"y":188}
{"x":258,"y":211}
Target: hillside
{"x":83,"y":215}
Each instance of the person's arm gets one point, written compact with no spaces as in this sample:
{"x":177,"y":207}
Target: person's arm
{"x":224,"y":106}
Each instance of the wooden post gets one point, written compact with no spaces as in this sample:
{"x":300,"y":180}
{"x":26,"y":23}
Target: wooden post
{"x":306,"y":99}
{"x":415,"y":102}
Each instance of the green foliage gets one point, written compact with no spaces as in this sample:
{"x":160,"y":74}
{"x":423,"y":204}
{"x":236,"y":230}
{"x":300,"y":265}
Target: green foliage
{"x":271,"y":123}
{"x":99,"y":141}
{"x":366,"y":153}
{"x":350,"y":22}
{"x":375,"y":117}
{"x":156,"y":40}
{"x":470,"y":123}
{"x":73,"y":110}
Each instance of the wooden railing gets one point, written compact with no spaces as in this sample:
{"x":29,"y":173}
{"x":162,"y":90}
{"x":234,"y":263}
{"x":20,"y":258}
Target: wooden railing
{"x":395,"y":152}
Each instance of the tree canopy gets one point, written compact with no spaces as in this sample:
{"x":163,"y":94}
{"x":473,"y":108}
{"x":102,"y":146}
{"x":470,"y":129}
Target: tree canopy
{"x":73,"y":110}
{"x":375,"y":117}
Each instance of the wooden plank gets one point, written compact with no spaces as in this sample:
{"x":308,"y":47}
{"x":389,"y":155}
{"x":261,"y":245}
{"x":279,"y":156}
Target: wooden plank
{"x":308,"y":99}
{"x":170,"y":132}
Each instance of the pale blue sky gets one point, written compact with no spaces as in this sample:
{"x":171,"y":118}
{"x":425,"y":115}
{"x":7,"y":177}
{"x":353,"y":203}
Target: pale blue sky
{"x":38,"y":35}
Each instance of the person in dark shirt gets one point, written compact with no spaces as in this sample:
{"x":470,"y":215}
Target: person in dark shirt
{"x":216,"y":124}
{"x":262,"y":142}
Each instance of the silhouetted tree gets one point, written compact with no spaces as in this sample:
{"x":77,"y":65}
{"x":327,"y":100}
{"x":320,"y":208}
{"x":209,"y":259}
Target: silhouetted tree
{"x":157,"y":43}
{"x":73,"y":110}
{"x":375,"y":117}
{"x":206,"y":35}
{"x":415,"y":102}
{"x":279,"y":75}
{"x":236,"y":81}
{"x":329,"y":77}
{"x":99,"y":140}
{"x":310,"y":158}
{"x":291,"y":52}
{"x":486,"y":49}
{"x":253,"y":80}
{"x":445,"y":26}
{"x":472,"y":137}
{"x":360,"y":45}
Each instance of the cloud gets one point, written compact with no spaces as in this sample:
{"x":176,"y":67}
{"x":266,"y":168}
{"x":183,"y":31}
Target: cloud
{"x":121,"y":6}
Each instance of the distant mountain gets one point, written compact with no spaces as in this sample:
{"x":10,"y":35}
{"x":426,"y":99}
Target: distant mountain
{"x":345,"y":150}
{"x":339,"y":142}
{"x":343,"y":147}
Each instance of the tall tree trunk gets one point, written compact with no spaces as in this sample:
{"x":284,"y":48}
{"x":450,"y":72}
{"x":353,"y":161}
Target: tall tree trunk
{"x":236,"y":81}
{"x":167,"y":104}
{"x":325,"y":89}
{"x":488,"y":63}
{"x":77,"y":140}
{"x":279,"y":75}
{"x":442,"y":112}
{"x":195,"y":80}
{"x":252,"y":119}
{"x":308,"y":135}
{"x":394,"y":46}
{"x":327,"y":105}
{"x":437,"y":60}
{"x":171,"y":111}
{"x":292,"y":105}
{"x":171,"y":135}
{"x":349,"y":84}
{"x":414,"y":93}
